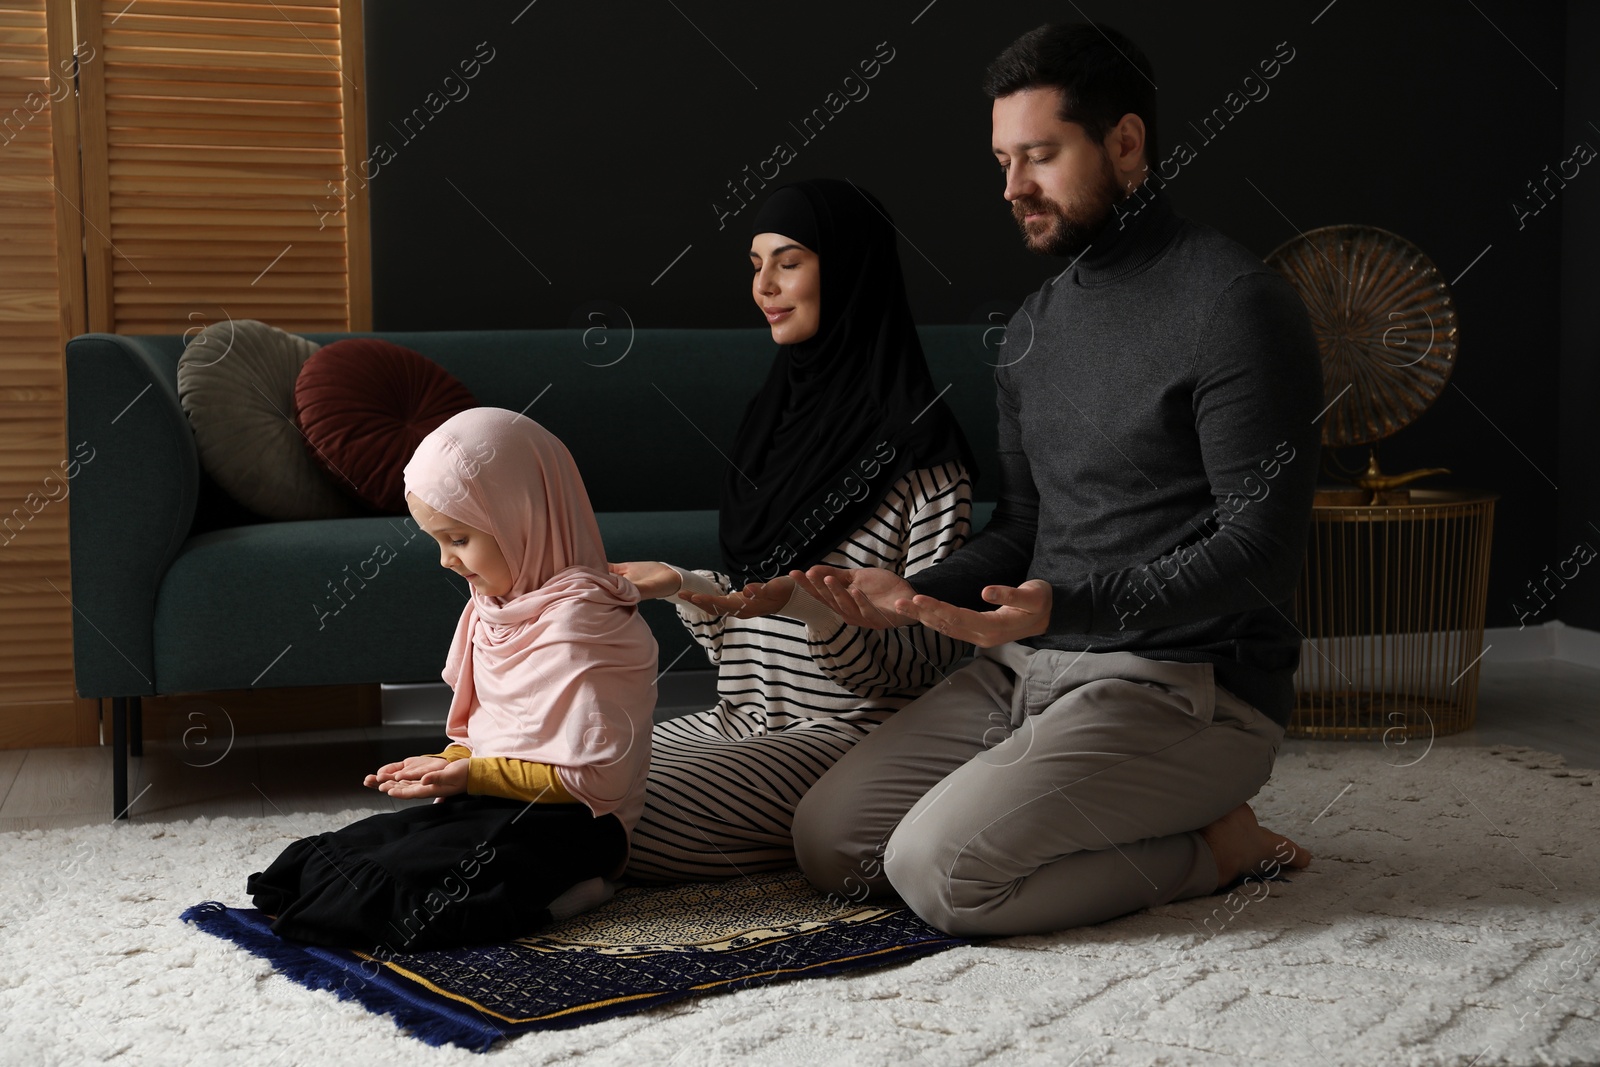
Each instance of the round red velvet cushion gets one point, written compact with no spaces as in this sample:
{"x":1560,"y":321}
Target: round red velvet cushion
{"x":364,"y":406}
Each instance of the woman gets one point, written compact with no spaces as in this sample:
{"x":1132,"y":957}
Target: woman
{"x":846,"y":456}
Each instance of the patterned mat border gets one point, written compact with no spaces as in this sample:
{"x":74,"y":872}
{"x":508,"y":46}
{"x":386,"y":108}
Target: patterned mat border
{"x":436,"y":1017}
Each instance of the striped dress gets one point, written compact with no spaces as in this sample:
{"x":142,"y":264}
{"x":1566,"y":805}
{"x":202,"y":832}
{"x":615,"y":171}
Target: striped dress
{"x":793,"y":696}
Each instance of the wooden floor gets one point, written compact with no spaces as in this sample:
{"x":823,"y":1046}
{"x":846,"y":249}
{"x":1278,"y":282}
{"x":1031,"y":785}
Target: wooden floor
{"x":1552,"y":706}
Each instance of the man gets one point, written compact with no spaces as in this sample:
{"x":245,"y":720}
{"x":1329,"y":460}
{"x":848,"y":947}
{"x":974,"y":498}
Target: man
{"x":1131,"y":596}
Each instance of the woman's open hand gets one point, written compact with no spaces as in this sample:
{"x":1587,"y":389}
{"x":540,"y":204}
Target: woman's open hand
{"x":864,"y":596}
{"x":655,"y":581}
{"x":756,"y":599}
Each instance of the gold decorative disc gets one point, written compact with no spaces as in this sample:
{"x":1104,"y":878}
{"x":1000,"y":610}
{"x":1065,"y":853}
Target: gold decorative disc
{"x":1385,"y":324}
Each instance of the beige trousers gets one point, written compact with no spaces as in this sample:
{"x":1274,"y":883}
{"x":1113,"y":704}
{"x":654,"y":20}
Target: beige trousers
{"x":1036,"y":790}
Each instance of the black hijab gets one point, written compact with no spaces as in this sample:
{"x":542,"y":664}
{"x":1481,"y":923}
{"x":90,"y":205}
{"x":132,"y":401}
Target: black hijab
{"x":843,"y":414}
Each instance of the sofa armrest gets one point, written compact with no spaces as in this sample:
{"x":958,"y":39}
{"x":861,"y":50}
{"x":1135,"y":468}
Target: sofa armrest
{"x":132,"y":504}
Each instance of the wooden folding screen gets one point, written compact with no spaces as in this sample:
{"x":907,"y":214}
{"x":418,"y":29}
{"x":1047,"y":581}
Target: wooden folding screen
{"x":216,"y":153}
{"x":41,"y":305}
{"x":163,"y":164}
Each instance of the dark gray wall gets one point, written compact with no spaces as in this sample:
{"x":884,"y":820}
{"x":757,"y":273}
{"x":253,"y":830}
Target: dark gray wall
{"x":1579,"y":603}
{"x":586,"y":166}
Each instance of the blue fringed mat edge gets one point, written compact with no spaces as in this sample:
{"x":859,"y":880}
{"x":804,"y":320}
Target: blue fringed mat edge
{"x":438,"y":1019}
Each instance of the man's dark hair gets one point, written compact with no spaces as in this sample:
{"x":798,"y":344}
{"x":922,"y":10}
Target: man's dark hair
{"x":1102,"y":76}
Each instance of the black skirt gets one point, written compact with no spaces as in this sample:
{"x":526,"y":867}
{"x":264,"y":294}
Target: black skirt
{"x":467,"y":870}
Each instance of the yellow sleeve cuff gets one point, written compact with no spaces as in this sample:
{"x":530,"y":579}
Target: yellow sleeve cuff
{"x":517,"y":779}
{"x":452,"y":753}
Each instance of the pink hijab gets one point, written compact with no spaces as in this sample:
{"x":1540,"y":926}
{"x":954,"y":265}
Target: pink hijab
{"x":561,"y":670}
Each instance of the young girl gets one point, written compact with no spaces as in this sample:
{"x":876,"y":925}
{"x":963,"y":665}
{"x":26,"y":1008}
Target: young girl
{"x":553,"y":671}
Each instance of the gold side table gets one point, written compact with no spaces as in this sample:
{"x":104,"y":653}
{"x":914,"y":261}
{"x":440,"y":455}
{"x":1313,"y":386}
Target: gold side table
{"x":1391,"y":605}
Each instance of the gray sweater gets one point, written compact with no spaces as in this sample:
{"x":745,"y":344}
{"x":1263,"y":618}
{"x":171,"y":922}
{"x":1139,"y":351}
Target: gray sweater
{"x":1157,"y":455}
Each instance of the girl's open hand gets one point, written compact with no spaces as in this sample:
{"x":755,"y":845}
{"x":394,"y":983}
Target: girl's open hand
{"x":417,"y":778}
{"x":410,"y":769}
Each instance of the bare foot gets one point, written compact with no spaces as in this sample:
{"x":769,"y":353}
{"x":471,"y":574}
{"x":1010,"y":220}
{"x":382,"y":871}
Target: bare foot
{"x":1241,"y":846}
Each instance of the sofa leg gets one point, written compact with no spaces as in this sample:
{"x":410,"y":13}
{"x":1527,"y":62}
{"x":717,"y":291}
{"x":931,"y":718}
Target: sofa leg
{"x":119,"y":757}
{"x":135,"y":726}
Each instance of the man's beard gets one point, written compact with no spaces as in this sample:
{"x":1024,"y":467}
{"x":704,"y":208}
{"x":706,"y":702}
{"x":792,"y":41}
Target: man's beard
{"x":1068,"y":230}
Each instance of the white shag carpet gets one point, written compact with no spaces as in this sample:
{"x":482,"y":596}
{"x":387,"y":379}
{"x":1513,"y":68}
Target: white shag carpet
{"x":1449,"y":918}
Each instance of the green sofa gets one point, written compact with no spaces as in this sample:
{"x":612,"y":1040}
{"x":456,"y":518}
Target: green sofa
{"x":177,"y":589}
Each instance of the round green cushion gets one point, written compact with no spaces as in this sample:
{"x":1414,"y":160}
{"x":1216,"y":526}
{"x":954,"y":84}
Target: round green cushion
{"x":236,"y":382}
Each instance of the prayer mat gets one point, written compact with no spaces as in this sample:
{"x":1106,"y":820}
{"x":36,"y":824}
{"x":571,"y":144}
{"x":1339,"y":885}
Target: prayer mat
{"x":646,"y":946}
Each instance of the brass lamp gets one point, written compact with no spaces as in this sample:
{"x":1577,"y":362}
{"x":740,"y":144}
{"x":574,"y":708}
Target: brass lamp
{"x":1392,"y":597}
